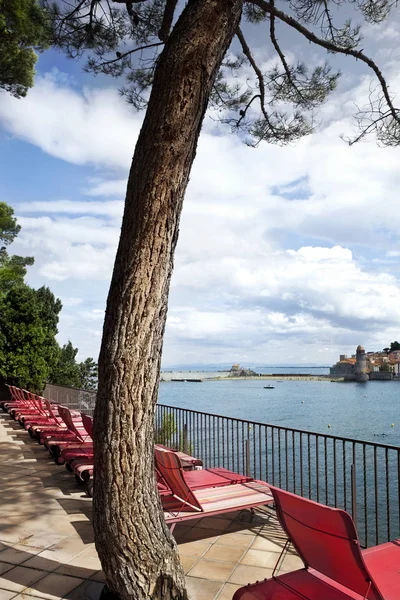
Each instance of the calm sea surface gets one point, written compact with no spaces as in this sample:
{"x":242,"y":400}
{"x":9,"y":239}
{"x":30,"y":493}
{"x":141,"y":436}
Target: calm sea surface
{"x":362,"y":411}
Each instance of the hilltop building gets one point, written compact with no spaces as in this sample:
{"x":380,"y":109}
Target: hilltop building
{"x":371,"y":365}
{"x":360,"y":368}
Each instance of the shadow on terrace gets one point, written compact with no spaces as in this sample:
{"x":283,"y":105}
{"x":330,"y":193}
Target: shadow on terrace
{"x":46,"y":536}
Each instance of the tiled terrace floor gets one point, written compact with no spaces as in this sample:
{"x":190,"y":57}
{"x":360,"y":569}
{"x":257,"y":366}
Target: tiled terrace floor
{"x":46,"y":537}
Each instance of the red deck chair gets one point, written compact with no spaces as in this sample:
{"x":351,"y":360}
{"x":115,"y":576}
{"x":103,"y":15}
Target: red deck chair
{"x":82,"y":465}
{"x":17,"y":396}
{"x":205,"y":478}
{"x":78,"y":439}
{"x":21,"y":402}
{"x":188,"y":462}
{"x":183,"y":504}
{"x":35,"y":409}
{"x":54,"y":422}
{"x":335,"y":566}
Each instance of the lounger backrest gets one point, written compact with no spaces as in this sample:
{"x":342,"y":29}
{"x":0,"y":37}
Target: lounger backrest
{"x":88,"y":424}
{"x":326,"y":540}
{"x":36,"y":402}
{"x":65,"y":414}
{"x":50,"y":408}
{"x":170,"y":468}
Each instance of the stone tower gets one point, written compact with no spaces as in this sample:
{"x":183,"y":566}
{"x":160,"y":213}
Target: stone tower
{"x":360,"y":370}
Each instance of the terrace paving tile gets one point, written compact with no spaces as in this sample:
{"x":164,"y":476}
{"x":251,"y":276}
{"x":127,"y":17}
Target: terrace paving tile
{"x":187,"y":562}
{"x":5,"y":595}
{"x":194,"y":548}
{"x":227,"y":591}
{"x":4,"y":567}
{"x":18,"y":578}
{"x":212,"y":570}
{"x":260,"y":558}
{"x":54,"y":587}
{"x":89,"y":590}
{"x":224,"y":553}
{"x":17,"y":554}
{"x":238,"y":540}
{"x":202,"y":589}
{"x":244,"y":574}
{"x":46,"y":537}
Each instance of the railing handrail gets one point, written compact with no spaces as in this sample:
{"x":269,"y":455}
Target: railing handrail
{"x":70,"y":387}
{"x":282,"y":427}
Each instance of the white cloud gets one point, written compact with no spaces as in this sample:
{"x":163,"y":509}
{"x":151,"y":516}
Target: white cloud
{"x":269,"y":255}
{"x":95,"y":126}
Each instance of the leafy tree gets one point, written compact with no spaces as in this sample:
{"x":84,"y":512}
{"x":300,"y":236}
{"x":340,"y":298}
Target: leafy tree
{"x":179,"y":51}
{"x":9,"y":228}
{"x":66,"y":371}
{"x":89,"y":374}
{"x":23,"y":27}
{"x":394,"y":346}
{"x":12,"y":268}
{"x":28,"y":326}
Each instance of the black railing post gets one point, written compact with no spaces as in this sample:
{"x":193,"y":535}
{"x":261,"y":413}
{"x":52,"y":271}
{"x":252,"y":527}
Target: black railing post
{"x":353,"y":493}
{"x":248,"y":457}
{"x":185,"y":439}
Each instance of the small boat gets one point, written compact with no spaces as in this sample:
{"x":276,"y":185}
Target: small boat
{"x":269,"y":387}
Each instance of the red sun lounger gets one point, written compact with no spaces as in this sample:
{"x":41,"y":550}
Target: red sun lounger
{"x":74,"y":434}
{"x":78,"y":438}
{"x":204,"y":478}
{"x":188,"y":462}
{"x":335,"y":566}
{"x":184,"y":504}
{"x":53,"y":424}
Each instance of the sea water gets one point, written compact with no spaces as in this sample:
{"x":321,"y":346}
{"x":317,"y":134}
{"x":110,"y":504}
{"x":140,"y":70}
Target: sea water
{"x":354,"y":410}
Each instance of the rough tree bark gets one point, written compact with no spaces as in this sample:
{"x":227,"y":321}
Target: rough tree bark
{"x":136,"y":549}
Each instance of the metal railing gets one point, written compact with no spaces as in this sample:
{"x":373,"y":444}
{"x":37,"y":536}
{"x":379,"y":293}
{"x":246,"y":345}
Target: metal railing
{"x":360,"y":477}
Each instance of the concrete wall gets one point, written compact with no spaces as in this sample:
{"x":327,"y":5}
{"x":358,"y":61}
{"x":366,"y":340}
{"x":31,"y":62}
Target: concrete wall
{"x":381,"y":375}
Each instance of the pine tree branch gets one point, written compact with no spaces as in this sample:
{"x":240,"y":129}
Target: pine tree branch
{"x":261,"y":83}
{"x":329,"y":19}
{"x":281,"y":55}
{"x":331,"y":46}
{"x":245,"y":109}
{"x":168,"y":17}
{"x":125,"y":54}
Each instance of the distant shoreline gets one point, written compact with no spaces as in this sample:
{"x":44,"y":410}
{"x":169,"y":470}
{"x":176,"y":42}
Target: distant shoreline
{"x":224,"y":376}
{"x":278,"y":377}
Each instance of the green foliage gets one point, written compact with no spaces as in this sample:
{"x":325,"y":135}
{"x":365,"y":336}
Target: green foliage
{"x":23,"y":27}
{"x":28,"y":326}
{"x":385,"y":368}
{"x":29,"y":353}
{"x":9,"y":228}
{"x":89,"y":373}
{"x":164,"y":433}
{"x":68,"y":372}
{"x":12,"y":268}
{"x":394,"y":346}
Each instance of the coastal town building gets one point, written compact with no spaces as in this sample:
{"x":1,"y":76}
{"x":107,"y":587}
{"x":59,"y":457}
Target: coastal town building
{"x":367,"y":365}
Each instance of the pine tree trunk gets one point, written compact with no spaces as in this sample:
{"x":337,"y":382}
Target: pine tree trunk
{"x":137,"y":552}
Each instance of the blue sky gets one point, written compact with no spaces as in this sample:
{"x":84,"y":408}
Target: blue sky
{"x":286,"y":255}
